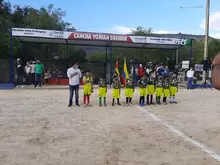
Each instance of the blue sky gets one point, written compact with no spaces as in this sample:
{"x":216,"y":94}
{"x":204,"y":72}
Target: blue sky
{"x":119,"y":16}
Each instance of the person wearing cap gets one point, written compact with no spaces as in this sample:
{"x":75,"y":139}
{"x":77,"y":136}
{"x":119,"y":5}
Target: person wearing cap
{"x":39,"y":68}
{"x":74,"y":74}
{"x":216,"y":72}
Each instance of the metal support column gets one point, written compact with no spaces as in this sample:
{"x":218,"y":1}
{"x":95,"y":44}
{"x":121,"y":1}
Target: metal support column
{"x":11,"y":59}
{"x":106,"y":63}
{"x":190,"y":54}
{"x":111,"y":74}
{"x":177,"y":56}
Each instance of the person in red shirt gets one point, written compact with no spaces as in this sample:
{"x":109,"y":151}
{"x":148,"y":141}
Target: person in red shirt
{"x":140,"y":71}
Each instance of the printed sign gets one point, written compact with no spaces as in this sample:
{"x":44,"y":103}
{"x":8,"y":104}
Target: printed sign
{"x":39,"y":33}
{"x":199,"y":67}
{"x":22,"y":32}
{"x":98,"y":36}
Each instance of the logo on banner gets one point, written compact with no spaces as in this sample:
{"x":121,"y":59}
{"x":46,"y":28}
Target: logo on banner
{"x":56,"y":34}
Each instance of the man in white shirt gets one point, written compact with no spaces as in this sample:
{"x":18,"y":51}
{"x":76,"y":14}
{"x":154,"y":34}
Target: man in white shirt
{"x":74,"y":74}
{"x":190,"y":75}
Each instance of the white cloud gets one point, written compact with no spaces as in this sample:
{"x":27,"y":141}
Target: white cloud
{"x":214,"y":21}
{"x":215,"y":35}
{"x":127,"y":30}
{"x":122,"y":29}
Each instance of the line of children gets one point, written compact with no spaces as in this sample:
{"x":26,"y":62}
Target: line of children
{"x":163,"y":87}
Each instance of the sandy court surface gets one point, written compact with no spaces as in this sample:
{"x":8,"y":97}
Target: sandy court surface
{"x":37,"y":128}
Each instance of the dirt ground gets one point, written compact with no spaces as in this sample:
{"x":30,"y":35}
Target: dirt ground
{"x":37,"y":128}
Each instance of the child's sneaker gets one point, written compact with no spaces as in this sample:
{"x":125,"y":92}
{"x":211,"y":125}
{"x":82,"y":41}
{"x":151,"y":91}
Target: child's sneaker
{"x":130,"y":104}
{"x":100,"y":105}
{"x":89,"y":105}
{"x":85,"y":105}
{"x":105,"y":105}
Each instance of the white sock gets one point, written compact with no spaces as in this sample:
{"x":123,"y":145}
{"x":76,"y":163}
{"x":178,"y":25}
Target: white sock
{"x":171,"y":99}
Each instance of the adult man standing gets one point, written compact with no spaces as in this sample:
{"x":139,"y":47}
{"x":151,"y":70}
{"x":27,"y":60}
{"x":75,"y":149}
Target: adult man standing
{"x":190,"y":75}
{"x":39,"y":73}
{"x":74,"y":74}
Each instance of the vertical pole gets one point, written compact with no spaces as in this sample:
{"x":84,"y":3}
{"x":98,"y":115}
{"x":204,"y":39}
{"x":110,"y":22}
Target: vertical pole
{"x":110,"y":66}
{"x":134,"y":73}
{"x":177,"y":57}
{"x":11,"y":59}
{"x":206,"y":35}
{"x":190,"y":54}
{"x":67,"y":55}
{"x":106,"y":62}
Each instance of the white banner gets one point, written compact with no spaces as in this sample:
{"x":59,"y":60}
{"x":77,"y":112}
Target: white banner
{"x":21,"y":32}
{"x":158,"y":40}
{"x":167,"y":41}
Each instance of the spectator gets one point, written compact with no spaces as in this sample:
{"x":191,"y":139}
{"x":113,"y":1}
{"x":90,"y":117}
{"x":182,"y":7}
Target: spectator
{"x":74,"y":74}
{"x":20,"y":72}
{"x":166,"y":71}
{"x":39,"y":73}
{"x":27,"y":70}
{"x":140,"y":71}
{"x":33,"y":72}
{"x":190,"y":75}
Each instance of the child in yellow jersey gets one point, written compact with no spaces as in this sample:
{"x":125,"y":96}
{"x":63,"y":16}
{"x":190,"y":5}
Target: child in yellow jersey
{"x":150,"y":89}
{"x":166,"y":90}
{"x":116,"y":89}
{"x":173,"y":88}
{"x":159,"y":89}
{"x":87,"y":82}
{"x":143,"y":92}
{"x":102,"y":91}
{"x":129,"y":89}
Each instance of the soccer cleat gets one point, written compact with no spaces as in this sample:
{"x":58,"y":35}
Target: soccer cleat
{"x":85,"y":105}
{"x":105,"y":105}
{"x":70,"y":105}
{"x":100,"y":105}
{"x":130,"y":104}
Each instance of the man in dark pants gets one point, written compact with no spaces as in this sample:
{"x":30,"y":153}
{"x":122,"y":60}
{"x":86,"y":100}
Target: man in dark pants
{"x":39,"y":68}
{"x":74,"y":75}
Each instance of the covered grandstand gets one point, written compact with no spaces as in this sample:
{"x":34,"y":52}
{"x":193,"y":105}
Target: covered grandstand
{"x":105,"y":40}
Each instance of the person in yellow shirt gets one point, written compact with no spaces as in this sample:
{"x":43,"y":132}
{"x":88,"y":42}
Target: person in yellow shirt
{"x":87,"y":89}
